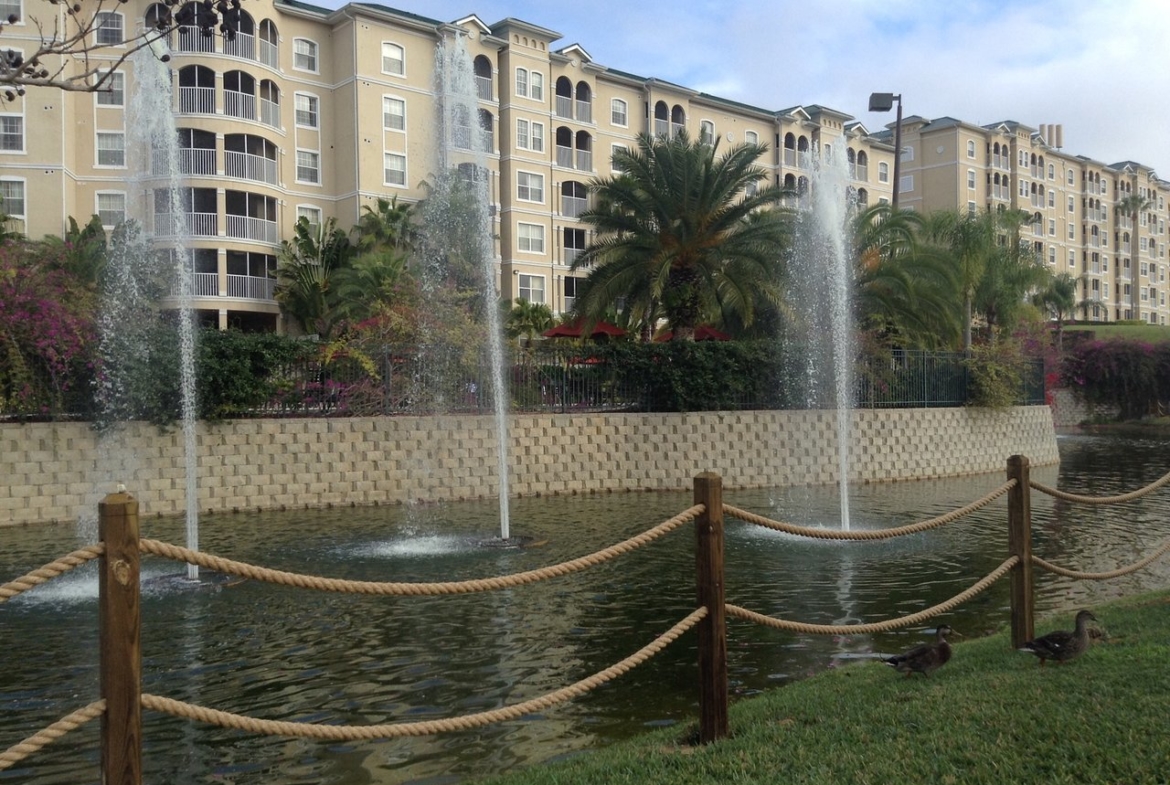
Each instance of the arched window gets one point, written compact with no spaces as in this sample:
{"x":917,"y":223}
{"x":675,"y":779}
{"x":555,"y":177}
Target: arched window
{"x":487,"y":132}
{"x":269,"y":44}
{"x":483,"y":77}
{"x":584,"y":161}
{"x":584,"y":107}
{"x":196,"y":90}
{"x":661,"y":119}
{"x":678,"y":120}
{"x":564,"y":106}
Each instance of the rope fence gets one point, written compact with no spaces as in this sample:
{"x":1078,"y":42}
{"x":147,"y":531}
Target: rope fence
{"x":121,"y":548}
{"x":379,"y":588}
{"x":425,"y":727}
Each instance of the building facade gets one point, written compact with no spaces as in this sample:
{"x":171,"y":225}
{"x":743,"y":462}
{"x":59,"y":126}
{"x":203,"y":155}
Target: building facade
{"x":317,"y":113}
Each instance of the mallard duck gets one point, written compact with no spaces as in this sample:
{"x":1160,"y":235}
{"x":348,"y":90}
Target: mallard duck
{"x":924,"y":659}
{"x":1062,"y":645}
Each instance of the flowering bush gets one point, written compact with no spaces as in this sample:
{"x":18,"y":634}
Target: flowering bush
{"x":1132,"y":375}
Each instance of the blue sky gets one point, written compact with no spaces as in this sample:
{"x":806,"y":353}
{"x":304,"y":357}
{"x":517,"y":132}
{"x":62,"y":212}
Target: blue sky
{"x":1095,"y":66}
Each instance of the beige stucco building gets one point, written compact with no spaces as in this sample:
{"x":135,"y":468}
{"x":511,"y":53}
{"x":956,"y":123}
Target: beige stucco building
{"x":316,"y":113}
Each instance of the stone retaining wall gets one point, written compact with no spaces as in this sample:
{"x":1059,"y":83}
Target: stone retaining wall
{"x":59,"y":471}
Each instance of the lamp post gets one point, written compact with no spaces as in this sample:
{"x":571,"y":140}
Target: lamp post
{"x":883,"y":102}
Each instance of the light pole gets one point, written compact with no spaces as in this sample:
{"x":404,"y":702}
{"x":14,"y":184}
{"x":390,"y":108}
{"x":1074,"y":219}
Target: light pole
{"x":883,"y":102}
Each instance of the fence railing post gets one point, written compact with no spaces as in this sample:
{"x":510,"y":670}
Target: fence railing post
{"x":1020,"y":544}
{"x":713,"y":722}
{"x":120,"y":640}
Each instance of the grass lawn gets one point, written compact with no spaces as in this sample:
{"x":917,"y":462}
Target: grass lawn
{"x":991,"y":715}
{"x":1137,"y":332}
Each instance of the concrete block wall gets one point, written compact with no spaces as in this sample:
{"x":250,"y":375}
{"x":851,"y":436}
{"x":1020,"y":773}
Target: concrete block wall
{"x":59,"y":471}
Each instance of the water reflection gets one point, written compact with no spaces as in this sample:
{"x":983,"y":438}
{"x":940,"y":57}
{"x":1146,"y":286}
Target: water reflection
{"x":279,"y":653}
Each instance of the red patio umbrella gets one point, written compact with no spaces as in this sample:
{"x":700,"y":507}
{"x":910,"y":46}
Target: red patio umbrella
{"x":573,"y":330}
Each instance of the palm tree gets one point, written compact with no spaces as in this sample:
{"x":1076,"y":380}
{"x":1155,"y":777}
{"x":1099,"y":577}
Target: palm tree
{"x":527,"y":320}
{"x":1012,"y":271}
{"x":304,"y":273}
{"x":901,"y":289}
{"x":1059,"y":299}
{"x":968,"y":241}
{"x":683,"y":230}
{"x":387,"y":224}
{"x":1132,"y":207}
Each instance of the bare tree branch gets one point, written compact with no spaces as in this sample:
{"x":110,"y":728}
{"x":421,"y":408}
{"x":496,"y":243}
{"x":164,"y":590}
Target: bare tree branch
{"x":72,"y":53}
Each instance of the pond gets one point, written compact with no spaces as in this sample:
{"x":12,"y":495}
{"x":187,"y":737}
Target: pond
{"x":281,"y":653}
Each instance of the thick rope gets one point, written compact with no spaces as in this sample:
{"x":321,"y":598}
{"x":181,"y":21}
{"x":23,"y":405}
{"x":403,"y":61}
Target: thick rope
{"x":868,"y":534}
{"x":50,"y":571}
{"x":427,"y":727}
{"x":18,"y":752}
{"x":1102,"y":576}
{"x":417,"y":589}
{"x":1125,"y":497}
{"x":881,"y":626}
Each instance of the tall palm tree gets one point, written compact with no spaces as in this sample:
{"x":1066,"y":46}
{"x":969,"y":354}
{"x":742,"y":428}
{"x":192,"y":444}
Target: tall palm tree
{"x":1013,"y":271}
{"x":1058,"y":300}
{"x":968,"y":241}
{"x":902,"y":290}
{"x":685,"y":230}
{"x":305,"y":269}
{"x":1132,"y":207}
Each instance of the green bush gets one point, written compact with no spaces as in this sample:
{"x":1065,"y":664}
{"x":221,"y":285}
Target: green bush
{"x":996,"y":374}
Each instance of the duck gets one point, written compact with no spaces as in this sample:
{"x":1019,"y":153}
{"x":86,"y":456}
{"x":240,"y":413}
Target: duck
{"x":1062,"y":645}
{"x":924,"y":659}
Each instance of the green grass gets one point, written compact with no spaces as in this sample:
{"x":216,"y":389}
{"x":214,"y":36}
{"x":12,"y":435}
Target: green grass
{"x":991,"y":715}
{"x":1138,"y":332}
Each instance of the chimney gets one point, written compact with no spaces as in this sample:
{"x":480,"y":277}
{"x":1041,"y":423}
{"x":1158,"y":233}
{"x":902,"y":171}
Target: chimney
{"x":1059,"y":136}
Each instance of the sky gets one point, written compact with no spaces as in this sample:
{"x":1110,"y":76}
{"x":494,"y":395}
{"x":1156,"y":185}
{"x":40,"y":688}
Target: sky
{"x":1094,"y":66}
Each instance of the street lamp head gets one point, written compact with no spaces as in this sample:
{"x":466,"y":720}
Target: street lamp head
{"x":881,"y":102}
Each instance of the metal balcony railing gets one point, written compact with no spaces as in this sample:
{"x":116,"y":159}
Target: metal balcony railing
{"x":247,"y":166}
{"x":250,"y":287}
{"x":197,"y":100}
{"x":193,"y":224}
{"x":237,"y":104}
{"x":243,"y":45}
{"x":245,"y":227}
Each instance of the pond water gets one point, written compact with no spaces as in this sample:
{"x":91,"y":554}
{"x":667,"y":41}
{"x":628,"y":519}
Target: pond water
{"x":281,"y":653}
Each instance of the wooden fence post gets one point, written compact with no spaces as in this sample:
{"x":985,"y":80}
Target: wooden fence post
{"x":120,"y":640}
{"x":713,"y":723}
{"x":1020,"y":544}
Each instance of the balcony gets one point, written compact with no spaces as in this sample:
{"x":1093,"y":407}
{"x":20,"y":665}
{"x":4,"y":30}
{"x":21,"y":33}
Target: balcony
{"x":573,"y":206}
{"x":244,"y":45}
{"x":585,"y":160}
{"x":269,"y":54}
{"x":861,"y":173}
{"x":483,"y":87}
{"x":661,"y":128}
{"x":197,"y":100}
{"x":236,"y":104}
{"x":565,"y":156}
{"x":247,"y":166}
{"x":571,"y":255}
{"x":250,"y":287}
{"x":205,"y":284}
{"x":789,"y":156}
{"x":192,"y":224}
{"x":564,"y":107}
{"x":243,"y":227}
{"x":584,"y":112}
{"x":192,"y":40}
{"x":192,"y":160}
{"x":270,"y":113}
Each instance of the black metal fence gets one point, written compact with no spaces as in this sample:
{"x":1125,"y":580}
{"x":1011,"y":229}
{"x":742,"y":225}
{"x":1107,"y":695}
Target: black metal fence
{"x":559,"y":379}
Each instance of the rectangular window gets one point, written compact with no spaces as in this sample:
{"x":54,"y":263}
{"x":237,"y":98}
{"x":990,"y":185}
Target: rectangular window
{"x":537,"y":139}
{"x":531,"y":288}
{"x":393,"y":59}
{"x":394,"y":169}
{"x":1072,"y":231}
{"x":1052,"y":227}
{"x":108,"y":25}
{"x":111,"y":149}
{"x":522,"y":135}
{"x":304,"y":55}
{"x":618,"y":112}
{"x":11,"y":132}
{"x":1072,"y":205}
{"x":12,"y":198}
{"x":305,"y":110}
{"x":613,"y":151}
{"x":522,"y":82}
{"x":908,"y":153}
{"x":308,"y":167}
{"x":311,"y":214}
{"x":970,"y":148}
{"x":751,"y":137}
{"x":530,"y":238}
{"x":1072,"y":258}
{"x":113,"y":91}
{"x":530,"y":187}
{"x":883,"y":172}
{"x":907,"y":184}
{"x":707,"y":133}
{"x":971,"y":209}
{"x":536,"y":88}
{"x":971,"y":179}
{"x":111,"y":207}
{"x":393,"y":114}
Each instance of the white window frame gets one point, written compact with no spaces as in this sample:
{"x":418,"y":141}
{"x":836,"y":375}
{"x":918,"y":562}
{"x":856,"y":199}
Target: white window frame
{"x":12,"y":7}
{"x":527,"y":243}
{"x":883,"y":172}
{"x":387,"y":102}
{"x":619,"y":108}
{"x":971,"y":149}
{"x":114,"y":87}
{"x":308,"y":61}
{"x":536,"y":85}
{"x":98,"y":149}
{"x":971,"y":180}
{"x":907,"y":184}
{"x":1052,"y":227}
{"x":907,"y":153}
{"x":523,"y":133}
{"x":97,"y":207}
{"x":529,"y":278}
{"x":5,"y":205}
{"x":314,"y":110}
{"x":521,"y":82}
{"x":316,"y":168}
{"x":310,"y":211}
{"x":387,"y":158}
{"x":1052,"y":171}
{"x":1072,"y":258}
{"x":4,"y":135}
{"x":751,"y":137}
{"x":100,"y":23}
{"x":613,"y":148}
{"x":388,"y":50}
{"x":530,"y":187}
{"x":707,"y":134}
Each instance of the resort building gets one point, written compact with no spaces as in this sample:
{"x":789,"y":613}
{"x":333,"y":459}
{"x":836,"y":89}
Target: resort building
{"x":317,"y":113}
